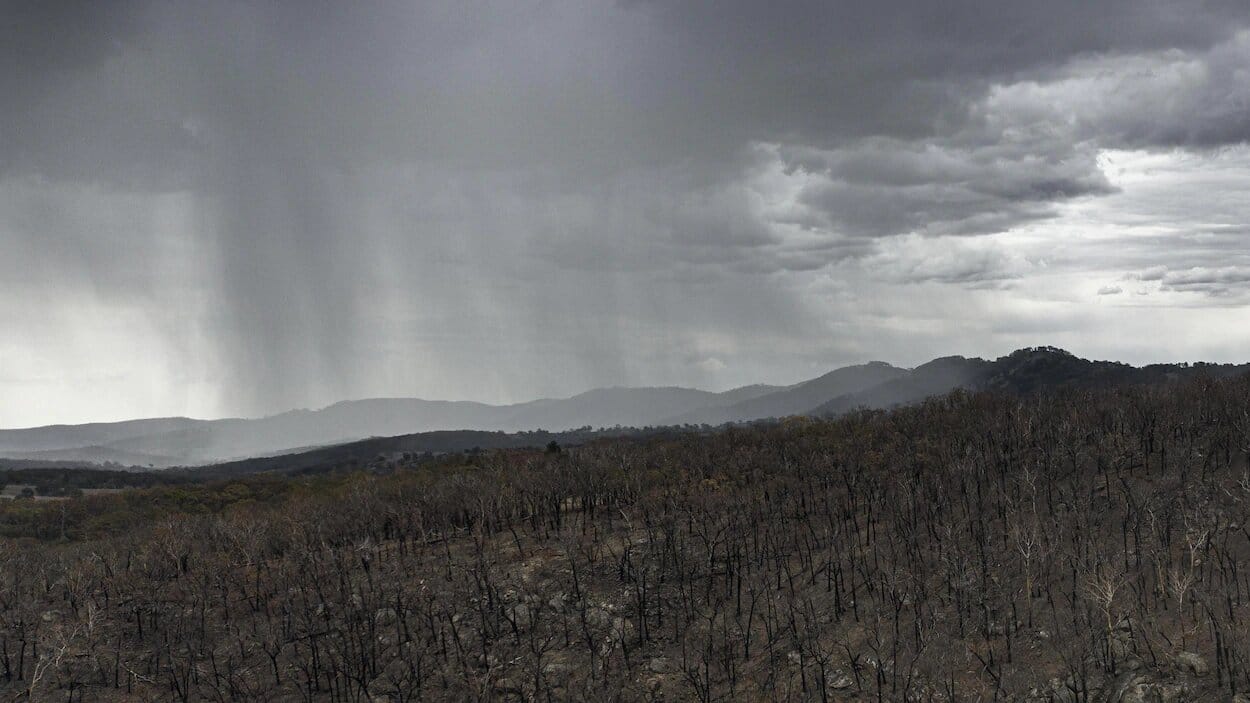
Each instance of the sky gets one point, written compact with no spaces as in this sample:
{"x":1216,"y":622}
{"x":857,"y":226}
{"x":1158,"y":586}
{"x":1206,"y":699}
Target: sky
{"x":234,"y":208}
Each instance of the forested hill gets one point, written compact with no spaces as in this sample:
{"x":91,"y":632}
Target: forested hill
{"x":383,"y":453}
{"x":181,"y":442}
{"x":1031,"y":370}
{"x":1071,"y":545}
{"x":1028,"y":371}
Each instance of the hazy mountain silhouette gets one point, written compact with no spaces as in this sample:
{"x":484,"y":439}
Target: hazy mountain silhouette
{"x":607,"y":407}
{"x":183,"y":441}
{"x":934,"y":378}
{"x":797,"y":399}
{"x":95,"y":454}
{"x":1021,"y":372}
{"x":51,"y":437}
{"x":176,"y":441}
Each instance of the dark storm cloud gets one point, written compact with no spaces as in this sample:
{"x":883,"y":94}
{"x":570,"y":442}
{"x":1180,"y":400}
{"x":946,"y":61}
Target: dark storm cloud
{"x":823,"y":72}
{"x":43,"y":42}
{"x":349,"y":167}
{"x":578,"y":85}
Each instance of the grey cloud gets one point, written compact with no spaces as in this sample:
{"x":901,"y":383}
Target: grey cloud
{"x":44,"y":42}
{"x":886,"y":187}
{"x":1197,"y":98}
{"x":1211,"y":281}
{"x":464,"y":176}
{"x":580,"y":85}
{"x":785,"y":69}
{"x":1030,"y":145}
{"x":949,"y":260}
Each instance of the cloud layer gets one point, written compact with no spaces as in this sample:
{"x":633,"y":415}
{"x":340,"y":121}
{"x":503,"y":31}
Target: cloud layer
{"x":240,"y":207}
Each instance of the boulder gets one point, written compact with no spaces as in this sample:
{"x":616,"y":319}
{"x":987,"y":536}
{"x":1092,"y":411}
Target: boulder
{"x":661,"y":665}
{"x":1192,"y":663}
{"x":385,"y":616}
{"x":557,"y":668}
{"x":521,"y":615}
{"x":1138,"y":690}
{"x":1146,"y":692}
{"x":558,"y":602}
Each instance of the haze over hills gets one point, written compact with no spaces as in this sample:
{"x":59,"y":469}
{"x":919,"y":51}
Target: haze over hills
{"x":1023,"y":371}
{"x":166,"y":442}
{"x":183,"y":441}
{"x":797,"y":399}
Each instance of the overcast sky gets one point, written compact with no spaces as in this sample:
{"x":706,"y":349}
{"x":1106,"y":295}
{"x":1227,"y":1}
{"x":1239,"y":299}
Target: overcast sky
{"x":236,"y":208}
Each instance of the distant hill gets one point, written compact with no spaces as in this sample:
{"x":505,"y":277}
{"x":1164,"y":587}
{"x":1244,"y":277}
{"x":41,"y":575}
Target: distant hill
{"x":51,"y":437}
{"x":934,"y":378}
{"x":366,"y":453}
{"x":608,"y":407}
{"x":95,"y":455}
{"x":1021,"y":372}
{"x":797,"y":399}
{"x":183,"y":441}
{"x":166,"y":442}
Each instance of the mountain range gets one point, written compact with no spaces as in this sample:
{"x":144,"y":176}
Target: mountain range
{"x":165,"y":442}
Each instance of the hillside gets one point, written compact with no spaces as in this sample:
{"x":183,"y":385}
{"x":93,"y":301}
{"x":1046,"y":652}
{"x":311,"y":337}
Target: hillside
{"x":383,"y":452}
{"x":53,"y":437}
{"x":1024,"y":371}
{"x":180,"y":441}
{"x":186,"y":442}
{"x":797,"y":399}
{"x":1085,"y":545}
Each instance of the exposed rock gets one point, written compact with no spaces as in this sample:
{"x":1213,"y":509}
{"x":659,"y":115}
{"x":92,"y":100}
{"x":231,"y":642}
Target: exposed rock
{"x":1160,"y":693}
{"x":557,"y":602}
{"x":1138,"y":690}
{"x":521,"y":615}
{"x":660,"y":665}
{"x":1192,"y":663}
{"x":623,"y":629}
{"x":599,"y":617}
{"x":1065,"y":691}
{"x":1172,"y":693}
{"x":556,"y":668}
{"x":507,"y":684}
{"x":1138,"y":693}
